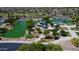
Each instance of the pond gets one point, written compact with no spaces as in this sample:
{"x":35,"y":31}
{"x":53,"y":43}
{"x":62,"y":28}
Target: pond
{"x":17,"y":31}
{"x":61,"y":20}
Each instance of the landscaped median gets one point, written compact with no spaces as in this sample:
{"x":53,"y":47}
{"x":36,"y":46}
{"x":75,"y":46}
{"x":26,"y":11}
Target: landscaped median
{"x":40,"y":47}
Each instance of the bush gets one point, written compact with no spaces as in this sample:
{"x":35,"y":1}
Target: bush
{"x":53,"y":47}
{"x":48,"y":37}
{"x":52,"y":24}
{"x":24,"y":47}
{"x":3,"y":30}
{"x":46,"y":19}
{"x":30,"y":23}
{"x":29,"y":36}
{"x":40,"y":47}
{"x":75,"y":42}
{"x":64,"y":33}
{"x":46,"y":32}
{"x":39,"y":30}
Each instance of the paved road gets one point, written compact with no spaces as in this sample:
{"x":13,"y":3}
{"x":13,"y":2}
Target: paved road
{"x":9,"y":46}
{"x":67,"y":46}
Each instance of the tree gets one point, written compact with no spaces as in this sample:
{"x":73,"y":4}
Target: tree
{"x":39,"y":30}
{"x":77,"y":19}
{"x":11,"y":20}
{"x":55,"y":34}
{"x":37,"y":47}
{"x":77,"y":22}
{"x":0,"y":38}
{"x":3,"y":30}
{"x":51,"y":23}
{"x":53,"y":47}
{"x":29,"y":36}
{"x":40,"y":47}
{"x":24,"y":47}
{"x":46,"y":19}
{"x":57,"y":27}
{"x":63,"y":33}
{"x":32,"y":47}
{"x":46,"y":32}
{"x":30,"y":23}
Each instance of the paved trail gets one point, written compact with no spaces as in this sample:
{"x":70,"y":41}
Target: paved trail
{"x":67,"y":46}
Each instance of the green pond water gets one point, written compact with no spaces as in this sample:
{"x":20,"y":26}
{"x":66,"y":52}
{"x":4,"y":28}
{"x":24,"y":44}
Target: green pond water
{"x":61,"y":20}
{"x":17,"y":31}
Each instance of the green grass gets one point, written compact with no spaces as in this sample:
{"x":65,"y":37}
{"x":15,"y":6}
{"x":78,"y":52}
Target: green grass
{"x":17,"y":31}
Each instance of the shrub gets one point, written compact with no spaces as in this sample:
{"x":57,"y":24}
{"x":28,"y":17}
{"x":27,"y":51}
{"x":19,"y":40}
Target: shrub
{"x":64,"y":33}
{"x":53,"y":47}
{"x":52,"y":24}
{"x":30,"y":23}
{"x":75,"y":42}
{"x":24,"y":47}
{"x":40,"y":47}
{"x":39,"y":30}
{"x":3,"y":30}
{"x":48,"y":37}
{"x":46,"y":32}
{"x":46,"y":19}
{"x":29,"y":36}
